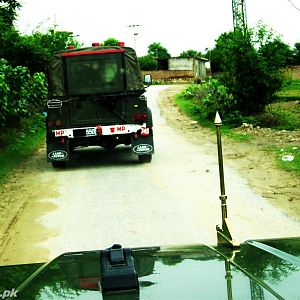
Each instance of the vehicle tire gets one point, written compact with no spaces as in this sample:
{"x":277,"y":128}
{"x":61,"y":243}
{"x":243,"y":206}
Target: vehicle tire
{"x":58,"y":164}
{"x":149,"y":121}
{"x":145,"y":158}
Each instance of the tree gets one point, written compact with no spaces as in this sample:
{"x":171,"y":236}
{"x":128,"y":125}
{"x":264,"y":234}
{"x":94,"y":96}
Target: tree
{"x":8,"y":13}
{"x":111,"y":42}
{"x":147,"y":63}
{"x":190,"y":53}
{"x":157,"y":51}
{"x":8,"y":34}
{"x":34,"y":51}
{"x":296,"y":54}
{"x":249,"y":66}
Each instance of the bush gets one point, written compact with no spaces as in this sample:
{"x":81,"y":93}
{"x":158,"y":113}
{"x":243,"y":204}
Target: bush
{"x":148,"y":63}
{"x":208,"y":98}
{"x":249,"y":65}
{"x":20,"y":93}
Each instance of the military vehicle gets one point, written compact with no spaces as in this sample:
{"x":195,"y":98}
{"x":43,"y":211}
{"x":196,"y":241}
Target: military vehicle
{"x":254,"y":269}
{"x":96,"y":97}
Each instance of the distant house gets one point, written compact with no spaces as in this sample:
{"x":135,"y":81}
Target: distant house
{"x":196,"y":65}
{"x":179,"y":68}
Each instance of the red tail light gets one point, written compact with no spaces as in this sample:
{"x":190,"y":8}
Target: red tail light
{"x":121,"y":44}
{"x":95,"y":44}
{"x":71,"y":47}
{"x":140,"y":117}
{"x":99,"y":130}
{"x":55,"y":123}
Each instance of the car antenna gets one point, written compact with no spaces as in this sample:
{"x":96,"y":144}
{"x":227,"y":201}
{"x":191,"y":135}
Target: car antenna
{"x":223,"y":234}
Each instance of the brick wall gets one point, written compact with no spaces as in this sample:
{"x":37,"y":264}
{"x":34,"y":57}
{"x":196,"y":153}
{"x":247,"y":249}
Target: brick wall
{"x":165,"y":75}
{"x":294,"y":72}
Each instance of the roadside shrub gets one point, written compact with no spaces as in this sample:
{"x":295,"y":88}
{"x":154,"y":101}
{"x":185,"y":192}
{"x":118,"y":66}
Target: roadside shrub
{"x":20,"y":93}
{"x":209,"y":97}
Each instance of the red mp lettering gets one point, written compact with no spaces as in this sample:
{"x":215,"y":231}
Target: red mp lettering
{"x":59,"y":132}
{"x":121,"y":128}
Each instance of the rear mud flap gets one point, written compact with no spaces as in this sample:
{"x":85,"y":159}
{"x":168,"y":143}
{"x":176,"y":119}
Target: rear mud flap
{"x":58,"y":150}
{"x":142,"y":144}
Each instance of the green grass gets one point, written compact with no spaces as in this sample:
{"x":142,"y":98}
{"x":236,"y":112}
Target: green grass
{"x":19,"y":145}
{"x":290,"y":91}
{"x":278,"y":115}
{"x":287,"y":157}
{"x":281,"y":115}
{"x":187,"y":107}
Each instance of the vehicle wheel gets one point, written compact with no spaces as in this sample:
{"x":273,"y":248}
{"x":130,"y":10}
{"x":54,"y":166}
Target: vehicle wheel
{"x":58,"y":164}
{"x":145,"y":158}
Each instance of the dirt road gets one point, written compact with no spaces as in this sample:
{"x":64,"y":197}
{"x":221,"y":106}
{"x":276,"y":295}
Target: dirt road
{"x":103,"y":198}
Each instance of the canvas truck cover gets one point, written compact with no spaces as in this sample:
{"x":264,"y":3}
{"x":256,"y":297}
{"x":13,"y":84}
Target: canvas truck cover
{"x":56,"y":74}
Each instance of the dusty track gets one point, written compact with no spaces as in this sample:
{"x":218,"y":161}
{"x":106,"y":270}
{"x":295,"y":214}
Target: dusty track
{"x":102,"y":198}
{"x":257,"y":166}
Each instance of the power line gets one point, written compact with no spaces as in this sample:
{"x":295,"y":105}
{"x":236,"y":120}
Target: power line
{"x":294,"y":5}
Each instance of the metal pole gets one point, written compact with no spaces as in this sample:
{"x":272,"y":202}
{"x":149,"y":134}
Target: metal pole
{"x":223,"y":197}
{"x":135,"y":33}
{"x":223,"y":234}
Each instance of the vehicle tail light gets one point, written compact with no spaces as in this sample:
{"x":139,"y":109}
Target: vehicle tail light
{"x":95,"y":44}
{"x":140,"y":117}
{"x":71,"y":47}
{"x":121,"y":44}
{"x":58,"y":122}
{"x":99,"y":130}
{"x":55,"y":123}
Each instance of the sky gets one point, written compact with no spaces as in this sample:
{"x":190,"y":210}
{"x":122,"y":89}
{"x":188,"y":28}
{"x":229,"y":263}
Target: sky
{"x":190,"y":24}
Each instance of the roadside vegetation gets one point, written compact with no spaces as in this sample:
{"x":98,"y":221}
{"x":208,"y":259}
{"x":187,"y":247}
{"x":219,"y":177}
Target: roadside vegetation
{"x":251,"y":86}
{"x":20,"y":143}
{"x":201,"y":101}
{"x":24,"y":61}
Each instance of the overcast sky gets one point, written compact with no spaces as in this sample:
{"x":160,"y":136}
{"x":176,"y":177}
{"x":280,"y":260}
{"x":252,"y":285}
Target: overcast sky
{"x":190,"y":24}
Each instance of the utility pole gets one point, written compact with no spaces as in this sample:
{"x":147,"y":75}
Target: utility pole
{"x":135,"y":33}
{"x":239,"y":15}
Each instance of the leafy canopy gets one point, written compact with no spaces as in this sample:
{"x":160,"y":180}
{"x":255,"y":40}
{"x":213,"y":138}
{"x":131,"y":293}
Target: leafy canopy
{"x":190,"y":53}
{"x":158,"y":51}
{"x":111,"y":42}
{"x":249,"y":65}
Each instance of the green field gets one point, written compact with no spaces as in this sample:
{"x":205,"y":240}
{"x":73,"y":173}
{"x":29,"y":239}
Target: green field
{"x":291,"y":90}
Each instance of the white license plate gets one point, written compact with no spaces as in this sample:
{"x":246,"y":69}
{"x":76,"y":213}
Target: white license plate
{"x":90,"y":131}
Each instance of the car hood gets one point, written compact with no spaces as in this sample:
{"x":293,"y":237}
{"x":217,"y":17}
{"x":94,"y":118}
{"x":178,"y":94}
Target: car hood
{"x":259,"y":269}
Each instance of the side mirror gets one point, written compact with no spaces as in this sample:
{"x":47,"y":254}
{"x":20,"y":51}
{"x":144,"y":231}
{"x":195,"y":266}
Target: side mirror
{"x":147,"y":79}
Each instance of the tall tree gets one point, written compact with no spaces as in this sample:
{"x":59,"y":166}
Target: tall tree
{"x":35,"y":50}
{"x":8,"y":13}
{"x":8,"y":35}
{"x":158,"y":51}
{"x":250,"y":67}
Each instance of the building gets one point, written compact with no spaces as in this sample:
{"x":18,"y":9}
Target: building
{"x":196,"y":65}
